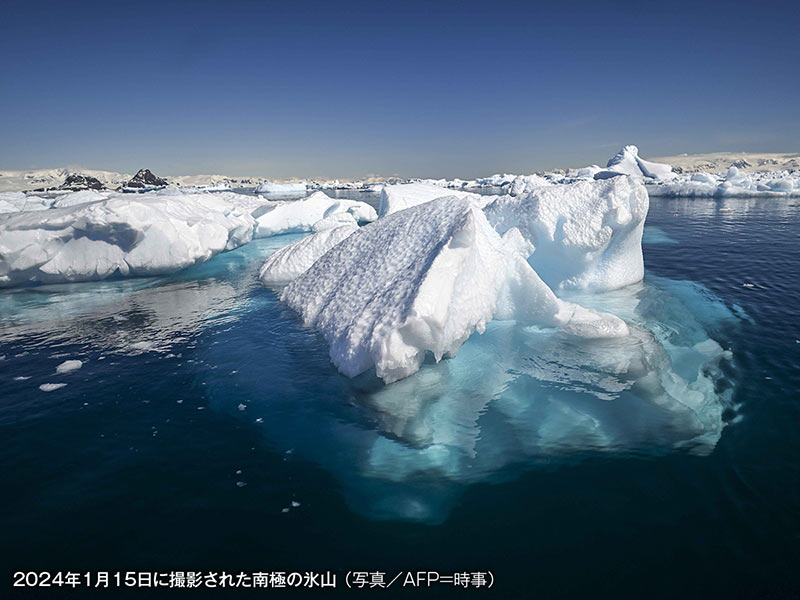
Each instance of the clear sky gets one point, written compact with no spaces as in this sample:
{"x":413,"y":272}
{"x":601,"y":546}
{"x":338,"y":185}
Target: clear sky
{"x":347,"y":89}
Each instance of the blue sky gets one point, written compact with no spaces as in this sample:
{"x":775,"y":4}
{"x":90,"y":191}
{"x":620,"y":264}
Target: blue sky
{"x":346,"y":89}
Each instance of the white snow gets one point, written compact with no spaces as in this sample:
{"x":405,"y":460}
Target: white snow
{"x":421,"y":281}
{"x":402,"y":196}
{"x":586,"y":235}
{"x":126,"y":234}
{"x":68,"y":366}
{"x":296,"y":216}
{"x":293,"y":260}
{"x":628,"y":162}
{"x":270,"y":187}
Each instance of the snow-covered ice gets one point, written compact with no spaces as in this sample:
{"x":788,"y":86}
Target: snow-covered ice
{"x":585,"y":235}
{"x":122,"y":235}
{"x":421,"y":281}
{"x":269,"y":187}
{"x":51,"y":387}
{"x":290,"y":262}
{"x":734,"y":183}
{"x":274,"y":218}
{"x":402,"y":196}
{"x":628,"y":162}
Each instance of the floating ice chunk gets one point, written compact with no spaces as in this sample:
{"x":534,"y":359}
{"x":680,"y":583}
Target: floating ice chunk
{"x":586,"y":235}
{"x":293,"y":260}
{"x":628,"y":162}
{"x":68,"y":366}
{"x":123,"y":235}
{"x":50,"y":387}
{"x":295,"y":504}
{"x":21,"y":377}
{"x":269,"y":187}
{"x":275,"y":218}
{"x":421,"y":281}
{"x":402,"y":196}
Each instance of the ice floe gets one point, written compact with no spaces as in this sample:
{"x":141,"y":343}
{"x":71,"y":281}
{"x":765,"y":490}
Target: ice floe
{"x":122,"y":235}
{"x":68,"y":366}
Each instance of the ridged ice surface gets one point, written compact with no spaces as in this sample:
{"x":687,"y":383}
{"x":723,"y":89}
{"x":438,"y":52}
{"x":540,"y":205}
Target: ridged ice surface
{"x":421,"y":281}
{"x":585,"y":235}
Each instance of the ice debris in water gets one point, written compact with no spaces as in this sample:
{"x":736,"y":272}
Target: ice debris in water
{"x":68,"y":366}
{"x":50,"y":387}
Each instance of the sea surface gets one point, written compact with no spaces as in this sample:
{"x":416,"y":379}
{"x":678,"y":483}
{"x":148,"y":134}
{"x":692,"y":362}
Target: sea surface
{"x":207,"y":431}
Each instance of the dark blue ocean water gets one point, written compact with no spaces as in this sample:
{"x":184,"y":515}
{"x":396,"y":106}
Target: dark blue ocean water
{"x":203,"y":410}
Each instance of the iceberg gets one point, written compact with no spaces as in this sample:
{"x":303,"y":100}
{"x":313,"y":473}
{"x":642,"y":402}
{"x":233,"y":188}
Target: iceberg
{"x":628,"y":162}
{"x":288,"y":263}
{"x":734,"y":183}
{"x":122,"y":235}
{"x":278,"y":217}
{"x":269,"y":187}
{"x":419,"y":282}
{"x":405,"y":195}
{"x":585,"y":235}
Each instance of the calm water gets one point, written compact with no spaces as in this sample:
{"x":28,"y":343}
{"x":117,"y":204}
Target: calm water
{"x":668,"y":467}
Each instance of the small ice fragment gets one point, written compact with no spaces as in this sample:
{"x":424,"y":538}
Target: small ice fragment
{"x":259,"y":420}
{"x":238,"y":471}
{"x":201,"y":408}
{"x":180,"y":401}
{"x":49,"y":387}
{"x":285,"y":510}
{"x":295,"y":504}
{"x":748,"y":285}
{"x":69,"y":365}
{"x":240,"y":484}
{"x":21,"y":377}
{"x":241,"y":407}
{"x":290,"y":450}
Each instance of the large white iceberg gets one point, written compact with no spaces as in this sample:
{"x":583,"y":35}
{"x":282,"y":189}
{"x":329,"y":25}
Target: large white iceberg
{"x":123,"y":235}
{"x":585,"y":235}
{"x":628,"y":162}
{"x":298,"y":216}
{"x":270,"y":187}
{"x":421,"y":281}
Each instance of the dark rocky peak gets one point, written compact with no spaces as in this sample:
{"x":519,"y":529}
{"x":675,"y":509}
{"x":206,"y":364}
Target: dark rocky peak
{"x":76,"y":181}
{"x":145,"y":178}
